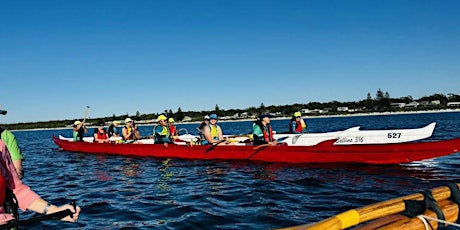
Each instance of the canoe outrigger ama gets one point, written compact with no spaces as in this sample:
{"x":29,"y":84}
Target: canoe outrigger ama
{"x":354,"y":136}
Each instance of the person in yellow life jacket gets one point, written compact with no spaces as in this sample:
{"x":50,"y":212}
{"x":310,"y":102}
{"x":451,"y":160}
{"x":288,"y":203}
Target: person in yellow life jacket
{"x":172,"y":128}
{"x":212,"y":132}
{"x":262,"y":131}
{"x":130,"y":133}
{"x":161,"y":132}
{"x":297,"y":124}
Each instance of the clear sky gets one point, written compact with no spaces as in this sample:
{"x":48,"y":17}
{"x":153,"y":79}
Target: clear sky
{"x":120,"y":57}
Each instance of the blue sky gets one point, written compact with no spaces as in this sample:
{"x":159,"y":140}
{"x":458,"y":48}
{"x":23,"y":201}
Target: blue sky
{"x":120,"y":57}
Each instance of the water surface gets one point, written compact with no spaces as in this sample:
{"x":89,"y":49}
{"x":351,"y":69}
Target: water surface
{"x":144,"y":193}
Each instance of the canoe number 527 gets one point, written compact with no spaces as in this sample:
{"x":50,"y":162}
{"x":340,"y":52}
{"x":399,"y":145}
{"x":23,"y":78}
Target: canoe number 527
{"x":394,"y":135}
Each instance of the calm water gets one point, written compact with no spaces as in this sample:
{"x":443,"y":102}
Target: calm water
{"x":145,"y":193}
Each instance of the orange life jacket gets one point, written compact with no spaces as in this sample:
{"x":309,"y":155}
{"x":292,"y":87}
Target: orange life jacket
{"x":173,"y":130}
{"x":129,"y":130}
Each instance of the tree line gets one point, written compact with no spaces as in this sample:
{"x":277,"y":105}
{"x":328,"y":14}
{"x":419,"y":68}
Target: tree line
{"x":381,"y":102}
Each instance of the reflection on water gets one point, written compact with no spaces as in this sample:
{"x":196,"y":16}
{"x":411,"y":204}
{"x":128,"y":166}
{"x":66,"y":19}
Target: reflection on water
{"x":131,"y":168}
{"x":165,"y":176}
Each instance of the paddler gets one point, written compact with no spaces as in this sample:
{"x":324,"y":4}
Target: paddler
{"x":12,"y":187}
{"x":201,"y":127}
{"x":172,"y":128}
{"x":130,"y":133}
{"x":100,"y":135}
{"x":262,"y":131}
{"x":297,"y":124}
{"x":161,"y":132}
{"x":12,"y":145}
{"x":212,"y":132}
{"x":79,"y":130}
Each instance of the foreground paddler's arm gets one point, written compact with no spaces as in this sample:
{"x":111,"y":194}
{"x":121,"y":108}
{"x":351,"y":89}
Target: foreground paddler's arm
{"x":26,"y":198}
{"x":43,"y":207}
{"x":52,"y":216}
{"x":361,"y":215}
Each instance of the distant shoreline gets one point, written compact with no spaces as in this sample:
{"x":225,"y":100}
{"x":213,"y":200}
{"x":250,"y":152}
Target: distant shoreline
{"x":283,"y":118}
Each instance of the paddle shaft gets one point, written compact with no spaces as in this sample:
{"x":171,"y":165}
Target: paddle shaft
{"x":265,"y":145}
{"x":239,"y":135}
{"x":373,"y":211}
{"x":52,"y":216}
{"x":214,"y":145}
{"x":86,"y":113}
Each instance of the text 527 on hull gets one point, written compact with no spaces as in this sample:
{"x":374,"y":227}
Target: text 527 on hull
{"x":324,"y":152}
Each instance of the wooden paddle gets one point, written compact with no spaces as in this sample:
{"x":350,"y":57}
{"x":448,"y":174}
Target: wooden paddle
{"x":296,"y":138}
{"x":86,"y":113}
{"x":371,"y":212}
{"x":214,"y":145}
{"x":53,"y":216}
{"x":265,"y":145}
{"x":239,"y":135}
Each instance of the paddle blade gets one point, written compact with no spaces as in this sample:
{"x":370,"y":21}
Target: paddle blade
{"x":296,"y":138}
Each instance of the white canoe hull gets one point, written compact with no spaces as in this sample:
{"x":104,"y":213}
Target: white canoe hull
{"x":353,"y":136}
{"x":88,"y":139}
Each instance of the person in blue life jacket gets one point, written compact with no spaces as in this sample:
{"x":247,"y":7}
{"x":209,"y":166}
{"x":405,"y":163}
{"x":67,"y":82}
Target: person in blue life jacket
{"x":212,"y":132}
{"x":161,"y":133}
{"x":262,"y":131}
{"x":113,"y":129}
{"x":297,"y":124}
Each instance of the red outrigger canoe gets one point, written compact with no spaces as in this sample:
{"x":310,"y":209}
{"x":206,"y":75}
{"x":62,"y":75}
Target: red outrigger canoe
{"x":324,"y":152}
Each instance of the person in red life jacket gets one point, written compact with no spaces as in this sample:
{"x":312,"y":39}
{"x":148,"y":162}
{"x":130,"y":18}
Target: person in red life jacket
{"x":27,"y":199}
{"x":297,"y":124}
{"x":262,"y":131}
{"x":100,"y":135}
{"x":172,"y":128}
